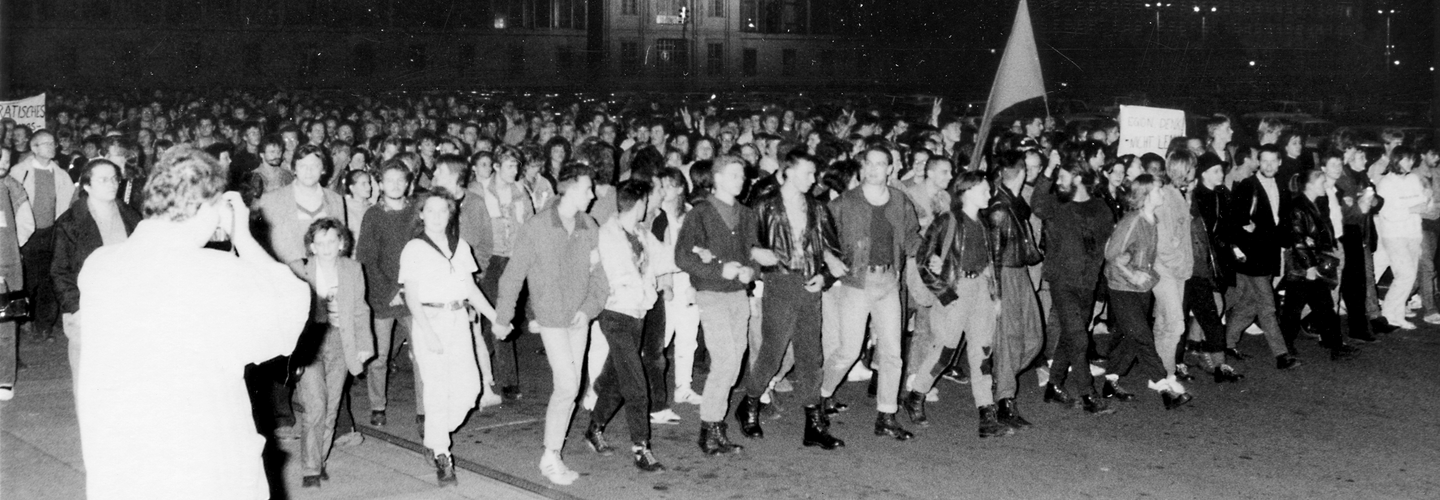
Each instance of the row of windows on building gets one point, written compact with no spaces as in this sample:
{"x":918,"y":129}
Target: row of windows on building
{"x":758,"y":16}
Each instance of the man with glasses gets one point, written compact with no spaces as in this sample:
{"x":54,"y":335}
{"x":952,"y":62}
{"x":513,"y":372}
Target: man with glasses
{"x":51,"y":191}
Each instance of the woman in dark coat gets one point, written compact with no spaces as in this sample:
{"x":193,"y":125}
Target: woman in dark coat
{"x":95,"y":219}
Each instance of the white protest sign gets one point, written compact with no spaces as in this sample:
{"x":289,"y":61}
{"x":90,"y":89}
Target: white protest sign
{"x":1149,"y":130}
{"x":29,"y":111}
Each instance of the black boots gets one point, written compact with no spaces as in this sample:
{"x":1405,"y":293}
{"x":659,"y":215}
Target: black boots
{"x":595,"y":437}
{"x":445,"y":470}
{"x":1174,"y":400}
{"x":377,"y":418}
{"x":644,"y":459}
{"x":1226,"y":374}
{"x":1054,"y":394}
{"x":713,"y":440}
{"x":914,"y":404}
{"x":1095,"y":406}
{"x":1008,"y":415}
{"x":885,"y":425}
{"x":990,"y":425}
{"x":747,"y":414}
{"x":1286,"y":362}
{"x":832,"y":406}
{"x":817,"y":429}
{"x":1112,"y":390}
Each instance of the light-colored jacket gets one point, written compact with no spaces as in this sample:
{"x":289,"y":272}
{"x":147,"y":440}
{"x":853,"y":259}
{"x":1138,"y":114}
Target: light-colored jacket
{"x":1402,"y":193}
{"x":1174,"y":255}
{"x":287,"y":231}
{"x":632,"y":280}
{"x":64,"y":187}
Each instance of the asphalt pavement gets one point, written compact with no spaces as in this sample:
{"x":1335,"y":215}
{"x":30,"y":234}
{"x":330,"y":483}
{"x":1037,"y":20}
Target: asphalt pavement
{"x":1361,"y":428}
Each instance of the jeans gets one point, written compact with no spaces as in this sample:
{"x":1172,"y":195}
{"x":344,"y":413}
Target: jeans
{"x":1169,"y":318}
{"x":622,"y":379}
{"x":652,"y":355}
{"x":1131,"y":313}
{"x":390,"y":333}
{"x":71,"y":323}
{"x":1252,"y":300}
{"x":319,"y":390}
{"x":1402,"y":256}
{"x":1073,"y":306}
{"x":1425,"y":273}
{"x":879,"y":301}
{"x":973,"y":316}
{"x":1316,"y":294}
{"x":1200,"y":302}
{"x":682,"y":326}
{"x":8,"y":354}
{"x":502,"y":352}
{"x":792,"y":316}
{"x":726,"y":317}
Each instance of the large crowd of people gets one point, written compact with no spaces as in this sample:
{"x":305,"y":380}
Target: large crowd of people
{"x":805,"y":247}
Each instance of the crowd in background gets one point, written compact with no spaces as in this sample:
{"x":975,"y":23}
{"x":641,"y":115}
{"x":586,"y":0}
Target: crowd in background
{"x":454,"y":222}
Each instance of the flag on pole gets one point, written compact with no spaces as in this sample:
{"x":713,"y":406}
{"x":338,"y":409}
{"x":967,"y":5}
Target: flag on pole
{"x":1018,"y":79}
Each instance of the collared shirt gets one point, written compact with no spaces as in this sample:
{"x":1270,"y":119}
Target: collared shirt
{"x":1272,"y":193}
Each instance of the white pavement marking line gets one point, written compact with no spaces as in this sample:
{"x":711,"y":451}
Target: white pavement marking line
{"x":508,"y":424}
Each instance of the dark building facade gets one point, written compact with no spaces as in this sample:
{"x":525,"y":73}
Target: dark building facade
{"x":690,"y":44}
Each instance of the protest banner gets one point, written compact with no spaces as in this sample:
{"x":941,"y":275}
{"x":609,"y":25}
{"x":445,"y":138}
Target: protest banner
{"x":29,"y":111}
{"x":1149,"y":130}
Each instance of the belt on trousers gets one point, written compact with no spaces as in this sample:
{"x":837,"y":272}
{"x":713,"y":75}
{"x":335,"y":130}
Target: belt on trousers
{"x":455,"y":305}
{"x":880,"y":269}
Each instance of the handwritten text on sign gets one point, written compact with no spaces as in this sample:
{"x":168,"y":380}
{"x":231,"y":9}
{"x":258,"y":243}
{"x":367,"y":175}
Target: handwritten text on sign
{"x":29,"y":111}
{"x":1149,"y":130}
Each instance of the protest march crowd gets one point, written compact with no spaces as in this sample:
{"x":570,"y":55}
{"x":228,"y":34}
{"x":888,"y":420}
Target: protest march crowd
{"x":233,"y":261}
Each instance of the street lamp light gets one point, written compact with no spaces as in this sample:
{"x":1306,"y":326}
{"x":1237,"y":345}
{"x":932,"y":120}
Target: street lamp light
{"x":1389,"y":45}
{"x":1157,"y":6}
{"x":1203,"y":12}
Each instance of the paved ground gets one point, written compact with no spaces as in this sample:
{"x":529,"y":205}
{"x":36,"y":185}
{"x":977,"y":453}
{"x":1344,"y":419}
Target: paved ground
{"x":1364,"y":428}
{"x":40,"y":455}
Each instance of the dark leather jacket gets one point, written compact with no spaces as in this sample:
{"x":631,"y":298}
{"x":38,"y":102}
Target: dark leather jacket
{"x":1012,"y":242}
{"x":956,"y":230}
{"x":1310,"y":236}
{"x":819,"y":236}
{"x":1213,"y":257}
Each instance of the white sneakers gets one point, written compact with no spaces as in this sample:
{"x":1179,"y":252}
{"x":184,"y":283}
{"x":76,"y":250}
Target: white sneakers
{"x":6,"y":392}
{"x":665,"y":417}
{"x":1433,"y":318}
{"x":933,"y":395}
{"x":687,"y":395}
{"x":490,"y":398}
{"x":555,"y":470}
{"x":591,"y":397}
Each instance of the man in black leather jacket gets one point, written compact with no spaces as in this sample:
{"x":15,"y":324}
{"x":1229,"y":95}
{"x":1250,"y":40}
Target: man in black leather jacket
{"x":1019,"y":338}
{"x":798,"y":253}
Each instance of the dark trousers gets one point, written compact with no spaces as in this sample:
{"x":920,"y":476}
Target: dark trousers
{"x":8,"y":353}
{"x":622,"y":379}
{"x":35,"y":258}
{"x":1130,"y":311}
{"x":503,"y":352}
{"x":792,"y":315}
{"x":1200,"y":303}
{"x":1072,"y":308}
{"x":652,"y":355}
{"x":270,"y":392}
{"x":1353,"y":284}
{"x":1316,"y":294}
